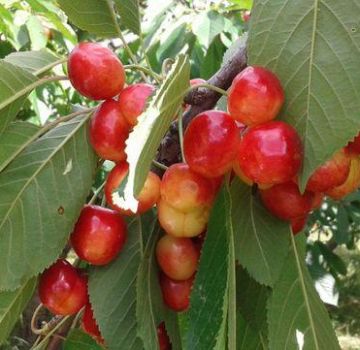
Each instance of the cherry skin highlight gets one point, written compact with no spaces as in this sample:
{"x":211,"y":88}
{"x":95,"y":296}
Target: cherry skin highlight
{"x":109,"y":131}
{"x":133,"y":100}
{"x":176,"y":294}
{"x":286,"y":202}
{"x":210,"y":143}
{"x":255,"y":96}
{"x":62,"y":289}
{"x":95,"y":71}
{"x":177,"y":257}
{"x":89,"y":324}
{"x":331,"y":174}
{"x":147,"y":198}
{"x":163,"y":338}
{"x":354,"y":146}
{"x":270,"y":153}
{"x":98,"y":235}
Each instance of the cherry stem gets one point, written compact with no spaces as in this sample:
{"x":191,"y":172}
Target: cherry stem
{"x":96,"y":193}
{"x":181,"y":134}
{"x":47,"y":327}
{"x":207,"y":86}
{"x":148,"y":71}
{"x":159,"y":165}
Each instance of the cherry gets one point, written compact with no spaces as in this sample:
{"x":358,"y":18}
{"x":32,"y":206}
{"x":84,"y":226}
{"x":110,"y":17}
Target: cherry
{"x":62,"y":289}
{"x":193,"y":82}
{"x":95,"y":71}
{"x":298,"y":224}
{"x":246,"y":15}
{"x":351,"y":183}
{"x":331,"y":174}
{"x":317,"y":200}
{"x":270,"y":153}
{"x":163,"y":338}
{"x":109,"y":131}
{"x":286,"y":202}
{"x":176,"y":294}
{"x":133,"y":101}
{"x":255,"y":96}
{"x":354,"y":146}
{"x":245,"y":179}
{"x":147,"y":198}
{"x":177,"y":257}
{"x":211,"y":142}
{"x":89,"y":324}
{"x":98,"y":235}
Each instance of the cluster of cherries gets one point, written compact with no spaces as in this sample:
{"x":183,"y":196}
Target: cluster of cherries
{"x":246,"y":140}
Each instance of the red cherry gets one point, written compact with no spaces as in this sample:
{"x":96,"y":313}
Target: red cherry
{"x":298,"y":224}
{"x":133,"y":101}
{"x":354,"y":146}
{"x":89,"y":324}
{"x":255,"y":96}
{"x":95,"y":71}
{"x":176,"y":294}
{"x":286,"y":202}
{"x":197,"y":81}
{"x":317,"y":200}
{"x":246,"y":15}
{"x":211,"y":142}
{"x":199,"y":241}
{"x":270,"y":153}
{"x":109,"y":131}
{"x":177,"y":257}
{"x":147,"y":198}
{"x":98,"y":235}
{"x":62,"y":289}
{"x":163,"y":338}
{"x":331,"y":174}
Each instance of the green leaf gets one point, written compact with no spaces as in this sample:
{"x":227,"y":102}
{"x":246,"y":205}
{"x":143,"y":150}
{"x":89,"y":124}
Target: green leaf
{"x":12,"y":305}
{"x":129,"y":11}
{"x":333,"y":260}
{"x":36,"y":62}
{"x":209,"y":296}
{"x":296,"y":304}
{"x":144,"y":140}
{"x":112,"y":290}
{"x":261,"y":240}
{"x":14,"y":88}
{"x":42,"y":193}
{"x":314,"y":48}
{"x":341,"y":231}
{"x":243,"y":4}
{"x":36,"y":31}
{"x":15,"y":136}
{"x":95,"y":16}
{"x":247,"y":337}
{"x":78,"y":340}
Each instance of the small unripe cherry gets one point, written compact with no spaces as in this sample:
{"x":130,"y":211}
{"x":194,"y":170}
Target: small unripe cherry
{"x":331,"y":174}
{"x":133,"y":101}
{"x":62,"y":289}
{"x":89,"y":324}
{"x":178,"y":223}
{"x":147,"y":198}
{"x":95,"y":71}
{"x":210,"y":143}
{"x":98,"y":235}
{"x":354,"y":146}
{"x":177,"y":257}
{"x":176,"y":294}
{"x":298,"y":224}
{"x":255,"y":96}
{"x":109,"y":131}
{"x":286,"y":202}
{"x":270,"y":153}
{"x":351,"y":183}
{"x":163,"y":338}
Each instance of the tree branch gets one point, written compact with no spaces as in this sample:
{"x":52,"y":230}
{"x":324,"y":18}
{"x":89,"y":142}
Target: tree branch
{"x":200,"y":99}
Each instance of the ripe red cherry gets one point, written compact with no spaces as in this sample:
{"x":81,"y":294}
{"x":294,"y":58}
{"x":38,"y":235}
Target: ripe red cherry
{"x":62,"y":289}
{"x":148,"y":196}
{"x":317,"y":200}
{"x":255,"y":96}
{"x":109,"y":131}
{"x":286,"y":202}
{"x":133,"y":101}
{"x":95,"y":71}
{"x":354,"y":146}
{"x":331,"y":174}
{"x":298,"y":224}
{"x":177,"y":257}
{"x":246,"y":15}
{"x":163,"y":338}
{"x":89,"y":324}
{"x":270,"y":153}
{"x":176,"y":294}
{"x":211,"y":142}
{"x":98,"y":235}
